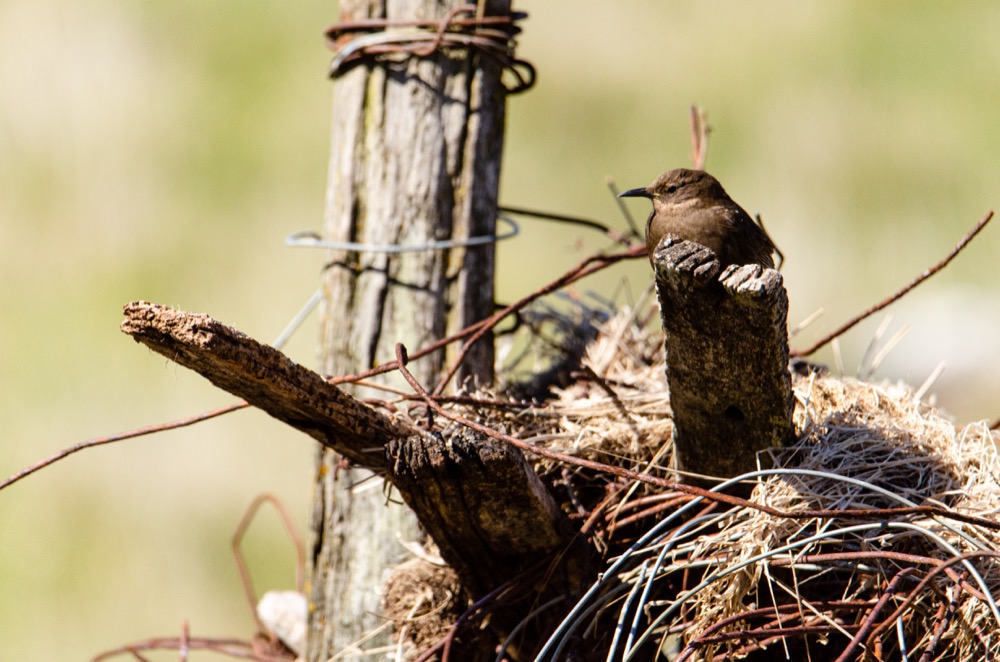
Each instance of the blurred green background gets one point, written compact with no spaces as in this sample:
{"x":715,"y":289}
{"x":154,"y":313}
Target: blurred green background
{"x":163,"y":150}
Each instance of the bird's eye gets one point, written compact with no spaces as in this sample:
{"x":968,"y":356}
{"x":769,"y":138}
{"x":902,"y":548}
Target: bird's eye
{"x":672,"y":188}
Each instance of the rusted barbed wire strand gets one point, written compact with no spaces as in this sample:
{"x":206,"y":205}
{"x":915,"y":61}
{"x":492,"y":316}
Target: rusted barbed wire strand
{"x":122,"y":436}
{"x":709,"y":636}
{"x":946,"y":612}
{"x":927,"y":273}
{"x":462,"y":27}
{"x":650,"y":499}
{"x":885,"y":555}
{"x":822,"y":628}
{"x":926,"y":579}
{"x":766,"y":642}
{"x":779,"y":627}
{"x":866,"y":631}
{"x":614,"y":523}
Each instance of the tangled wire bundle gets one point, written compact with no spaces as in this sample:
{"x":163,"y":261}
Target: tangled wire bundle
{"x":869,"y":537}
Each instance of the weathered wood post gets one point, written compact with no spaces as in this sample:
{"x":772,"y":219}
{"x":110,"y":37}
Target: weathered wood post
{"x":727,"y":358}
{"x":417,"y":136}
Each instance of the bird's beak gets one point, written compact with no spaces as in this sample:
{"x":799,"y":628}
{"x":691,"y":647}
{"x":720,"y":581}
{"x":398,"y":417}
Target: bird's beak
{"x":635,"y":193}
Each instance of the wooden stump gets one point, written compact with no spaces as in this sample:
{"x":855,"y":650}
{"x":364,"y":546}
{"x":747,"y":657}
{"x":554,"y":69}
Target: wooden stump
{"x":727,"y":358}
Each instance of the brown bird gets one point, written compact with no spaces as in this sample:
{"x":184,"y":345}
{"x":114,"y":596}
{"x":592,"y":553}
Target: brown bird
{"x":692,"y":205}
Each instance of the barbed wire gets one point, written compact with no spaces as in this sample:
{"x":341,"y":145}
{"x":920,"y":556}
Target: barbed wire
{"x":464,"y":27}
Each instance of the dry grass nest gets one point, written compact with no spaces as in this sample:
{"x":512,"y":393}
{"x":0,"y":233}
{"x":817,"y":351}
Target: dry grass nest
{"x":823,"y":578}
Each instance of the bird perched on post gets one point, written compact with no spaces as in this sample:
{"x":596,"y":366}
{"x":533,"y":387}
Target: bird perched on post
{"x":692,"y":205}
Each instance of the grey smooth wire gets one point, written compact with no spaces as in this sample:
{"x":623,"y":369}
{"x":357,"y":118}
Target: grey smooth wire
{"x":310,"y":239}
{"x":553,"y":647}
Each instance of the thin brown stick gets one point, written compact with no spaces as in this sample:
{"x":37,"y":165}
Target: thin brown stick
{"x":185,"y":638}
{"x":699,"y":137}
{"x":132,"y":434}
{"x":927,"y":273}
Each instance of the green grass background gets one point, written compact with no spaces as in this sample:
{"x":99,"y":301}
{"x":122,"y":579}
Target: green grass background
{"x":163,"y":150}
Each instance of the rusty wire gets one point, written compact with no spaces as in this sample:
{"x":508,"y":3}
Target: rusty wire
{"x":883,"y":588}
{"x":241,"y":563}
{"x":463,"y":27}
{"x":924,"y":275}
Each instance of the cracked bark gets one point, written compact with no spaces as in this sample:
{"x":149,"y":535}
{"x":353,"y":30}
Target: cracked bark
{"x":727,"y":358}
{"x":478,"y":498}
{"x":415,"y":157}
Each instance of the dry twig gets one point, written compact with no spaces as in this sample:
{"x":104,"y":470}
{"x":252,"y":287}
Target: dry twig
{"x":699,"y":137}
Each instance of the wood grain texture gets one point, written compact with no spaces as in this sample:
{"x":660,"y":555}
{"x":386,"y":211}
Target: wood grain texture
{"x":727,"y":358}
{"x":500,"y":518}
{"x":267,"y":379}
{"x":414,"y":157}
{"x":478,"y":498}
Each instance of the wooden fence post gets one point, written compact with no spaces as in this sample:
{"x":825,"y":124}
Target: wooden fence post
{"x":414,"y":158}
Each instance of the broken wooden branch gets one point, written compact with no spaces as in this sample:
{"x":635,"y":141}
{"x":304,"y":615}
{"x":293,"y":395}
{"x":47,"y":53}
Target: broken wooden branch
{"x":267,"y":379}
{"x":727,"y":358}
{"x":478,"y":498}
{"x":490,"y":487}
